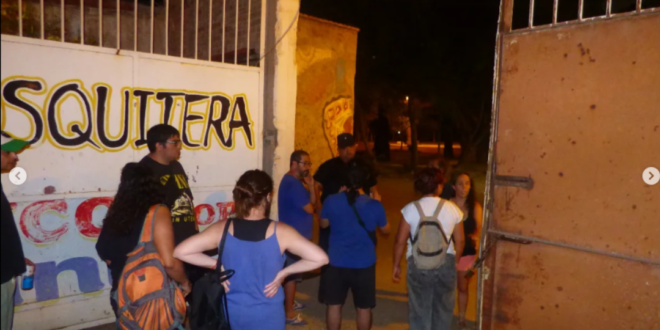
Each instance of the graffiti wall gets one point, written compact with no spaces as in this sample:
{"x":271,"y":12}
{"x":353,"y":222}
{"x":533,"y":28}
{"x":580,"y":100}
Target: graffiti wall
{"x":325,"y":58}
{"x":87,"y":111}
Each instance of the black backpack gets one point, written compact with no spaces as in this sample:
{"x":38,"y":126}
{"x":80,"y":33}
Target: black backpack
{"x":209,"y":303}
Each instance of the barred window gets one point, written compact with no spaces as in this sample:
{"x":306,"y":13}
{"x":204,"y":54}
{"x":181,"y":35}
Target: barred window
{"x":227,"y":31}
{"x":529,"y":14}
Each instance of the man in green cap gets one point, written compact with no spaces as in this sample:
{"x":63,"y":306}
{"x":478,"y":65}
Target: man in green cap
{"x":13,"y":259}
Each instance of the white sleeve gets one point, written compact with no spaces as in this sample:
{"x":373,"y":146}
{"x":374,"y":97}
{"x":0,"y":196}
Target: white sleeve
{"x":406,"y":212}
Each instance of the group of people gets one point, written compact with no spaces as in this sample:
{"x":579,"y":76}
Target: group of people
{"x":268,"y":255}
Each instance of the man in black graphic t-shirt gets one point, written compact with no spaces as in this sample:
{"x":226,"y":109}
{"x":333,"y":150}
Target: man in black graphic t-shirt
{"x":164,"y":151}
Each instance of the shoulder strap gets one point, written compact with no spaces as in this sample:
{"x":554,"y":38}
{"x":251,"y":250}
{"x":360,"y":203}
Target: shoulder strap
{"x":221,"y":249}
{"x":422,"y":216}
{"x":436,"y":214}
{"x":362,"y":224}
{"x":419,"y":209}
{"x":441,"y":204}
{"x":147,"y":234}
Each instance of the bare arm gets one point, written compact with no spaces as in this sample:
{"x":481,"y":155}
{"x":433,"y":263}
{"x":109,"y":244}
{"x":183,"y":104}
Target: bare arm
{"x":400,"y":243}
{"x":192,"y":249}
{"x":164,"y":241}
{"x":313,"y":199}
{"x":385,"y":230}
{"x":459,"y":240}
{"x":478,"y":217}
{"x":311,"y":256}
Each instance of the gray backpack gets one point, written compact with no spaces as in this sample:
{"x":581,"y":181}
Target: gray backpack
{"x":429,"y":244}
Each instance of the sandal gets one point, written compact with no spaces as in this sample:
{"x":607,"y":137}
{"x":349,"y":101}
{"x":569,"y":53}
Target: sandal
{"x":298,"y":306}
{"x":296,"y":321}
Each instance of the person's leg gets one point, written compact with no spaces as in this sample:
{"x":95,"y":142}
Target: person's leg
{"x":363,"y":286}
{"x":363,"y":319}
{"x":290,"y":284}
{"x":8,"y":290}
{"x":336,"y":291}
{"x":445,"y":295}
{"x":463,"y":294}
{"x":333,"y":317}
{"x":113,"y":304}
{"x":289,"y":298}
{"x":420,"y":297}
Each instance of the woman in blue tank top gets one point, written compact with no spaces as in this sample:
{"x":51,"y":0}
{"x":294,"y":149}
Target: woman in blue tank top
{"x":254,"y":249}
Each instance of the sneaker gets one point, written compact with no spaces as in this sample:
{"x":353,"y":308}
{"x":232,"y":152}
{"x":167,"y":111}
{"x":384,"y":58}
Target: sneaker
{"x":296,"y":321}
{"x":298,"y":306}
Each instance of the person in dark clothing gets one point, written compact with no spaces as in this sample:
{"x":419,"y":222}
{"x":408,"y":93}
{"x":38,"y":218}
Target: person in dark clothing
{"x":446,"y":169}
{"x":164,"y":144}
{"x":13,"y":259}
{"x":382,"y":136}
{"x":464,"y":197}
{"x":331,"y":178}
{"x":139,"y":190}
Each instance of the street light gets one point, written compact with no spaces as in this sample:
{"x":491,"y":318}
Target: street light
{"x":406,"y":98}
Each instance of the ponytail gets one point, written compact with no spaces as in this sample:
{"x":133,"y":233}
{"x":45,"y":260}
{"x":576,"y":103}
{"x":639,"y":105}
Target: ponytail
{"x":357,"y":176}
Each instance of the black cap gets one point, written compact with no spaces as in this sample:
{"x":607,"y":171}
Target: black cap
{"x":345,"y":140}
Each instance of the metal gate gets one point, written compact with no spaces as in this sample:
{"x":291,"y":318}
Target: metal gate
{"x":573,"y":232}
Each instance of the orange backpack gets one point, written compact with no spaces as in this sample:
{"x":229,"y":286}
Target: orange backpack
{"x":146,"y":297}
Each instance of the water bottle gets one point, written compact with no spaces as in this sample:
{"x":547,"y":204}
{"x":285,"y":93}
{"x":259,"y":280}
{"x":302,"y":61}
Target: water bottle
{"x":28,"y":278}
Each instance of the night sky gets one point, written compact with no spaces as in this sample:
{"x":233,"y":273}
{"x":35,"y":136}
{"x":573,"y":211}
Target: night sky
{"x":438,"y":52}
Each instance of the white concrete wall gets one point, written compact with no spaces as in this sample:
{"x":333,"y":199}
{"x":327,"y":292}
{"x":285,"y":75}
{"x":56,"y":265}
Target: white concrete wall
{"x":284,"y":90}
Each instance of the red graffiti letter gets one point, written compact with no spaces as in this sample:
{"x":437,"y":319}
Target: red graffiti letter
{"x":226,"y":209}
{"x":210,"y":214}
{"x":84,"y":216}
{"x":31,"y":221}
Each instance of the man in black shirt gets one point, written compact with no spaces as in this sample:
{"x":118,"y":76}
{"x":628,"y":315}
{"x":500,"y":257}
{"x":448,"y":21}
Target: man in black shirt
{"x":164,"y":144}
{"x":13,"y":259}
{"x":331,"y":178}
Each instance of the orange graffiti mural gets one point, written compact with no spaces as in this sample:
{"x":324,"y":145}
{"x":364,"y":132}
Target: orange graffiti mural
{"x":337,"y":119}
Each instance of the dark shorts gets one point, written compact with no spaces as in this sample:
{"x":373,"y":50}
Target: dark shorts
{"x":324,"y":240}
{"x":361,"y":282}
{"x":290,"y":260}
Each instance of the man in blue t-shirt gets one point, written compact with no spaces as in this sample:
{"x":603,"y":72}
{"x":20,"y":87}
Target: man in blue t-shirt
{"x":296,"y":203}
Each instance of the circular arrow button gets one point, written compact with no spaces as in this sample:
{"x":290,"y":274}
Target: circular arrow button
{"x":651,"y":176}
{"x":18,"y":176}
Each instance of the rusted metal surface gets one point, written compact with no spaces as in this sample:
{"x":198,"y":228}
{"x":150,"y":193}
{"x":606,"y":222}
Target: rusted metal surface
{"x":541,"y":287}
{"x":578,"y":112}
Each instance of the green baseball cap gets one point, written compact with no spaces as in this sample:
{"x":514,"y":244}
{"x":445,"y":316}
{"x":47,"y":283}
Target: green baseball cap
{"x":11,"y":144}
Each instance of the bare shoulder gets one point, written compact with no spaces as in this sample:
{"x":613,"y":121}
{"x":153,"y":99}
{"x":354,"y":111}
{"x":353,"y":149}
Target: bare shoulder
{"x":162,"y":216}
{"x":283,"y":229}
{"x":162,"y":211}
{"x":216,"y":228}
{"x":478,"y":208}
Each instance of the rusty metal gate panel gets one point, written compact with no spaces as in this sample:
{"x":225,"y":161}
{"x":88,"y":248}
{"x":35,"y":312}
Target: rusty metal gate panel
{"x":574,"y":230}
